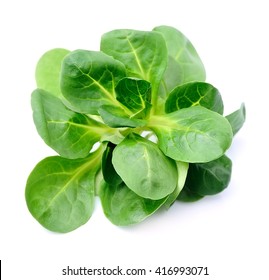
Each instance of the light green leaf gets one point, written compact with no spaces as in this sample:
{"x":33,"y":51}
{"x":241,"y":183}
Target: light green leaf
{"x":182,"y":170}
{"x":60,"y":192}
{"x":70,"y":134}
{"x":144,"y":168}
{"x":143,"y":53}
{"x":88,"y":80}
{"x":193,"y":94}
{"x":116,"y":117}
{"x":124,"y":207}
{"x":193,"y":134}
{"x":237,"y":118}
{"x":48,"y":70}
{"x":184,"y":63}
{"x":135,"y":94}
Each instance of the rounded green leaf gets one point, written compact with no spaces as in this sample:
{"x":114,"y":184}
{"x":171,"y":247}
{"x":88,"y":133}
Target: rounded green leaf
{"x":48,"y":70}
{"x":70,"y":134}
{"x":209,"y":178}
{"x":184,"y":63}
{"x":193,"y":134}
{"x":144,"y":168}
{"x":88,"y":80}
{"x":144,"y":54}
{"x":124,"y":207}
{"x":60,"y":192}
{"x":135,"y":94}
{"x":193,"y":94}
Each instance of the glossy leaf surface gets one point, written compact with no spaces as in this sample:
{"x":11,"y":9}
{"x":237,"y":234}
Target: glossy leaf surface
{"x":60,"y":192}
{"x":209,"y":178}
{"x":144,"y":168}
{"x":237,"y":118}
{"x":70,"y":134}
{"x":88,"y":80}
{"x":48,"y":70}
{"x":143,"y":53}
{"x":124,"y":207}
{"x":193,"y":134}
{"x":135,"y":94}
{"x":193,"y":94}
{"x":184,"y":63}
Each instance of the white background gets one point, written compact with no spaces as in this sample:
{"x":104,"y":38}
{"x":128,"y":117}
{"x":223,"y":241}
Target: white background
{"x":227,"y":233}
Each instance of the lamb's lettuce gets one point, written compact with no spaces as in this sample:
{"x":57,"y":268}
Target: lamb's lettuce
{"x":134,"y":123}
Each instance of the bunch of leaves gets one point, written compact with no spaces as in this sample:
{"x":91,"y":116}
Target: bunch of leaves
{"x":134,"y":123}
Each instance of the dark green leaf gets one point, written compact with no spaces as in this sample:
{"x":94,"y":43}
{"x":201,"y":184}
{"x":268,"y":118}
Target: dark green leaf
{"x":60,"y":192}
{"x":193,"y":94}
{"x":187,"y":195}
{"x":116,"y":117}
{"x":237,"y":118}
{"x":193,"y":134}
{"x":184,"y":63}
{"x":209,"y":178}
{"x":124,"y":207}
{"x":109,"y":173}
{"x":70,"y":134}
{"x":143,"y":53}
{"x":144,"y":168}
{"x":48,"y":70}
{"x":135,"y":94}
{"x":88,"y":80}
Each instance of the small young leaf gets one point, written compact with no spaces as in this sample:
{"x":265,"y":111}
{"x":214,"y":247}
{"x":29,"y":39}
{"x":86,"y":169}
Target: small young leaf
{"x":193,"y":134}
{"x":88,"y":79}
{"x":70,"y":134}
{"x":116,"y":117}
{"x":143,"y":53}
{"x":48,"y":70}
{"x":193,"y":94}
{"x":144,"y":168}
{"x":209,"y":178}
{"x":60,"y":192}
{"x":135,"y":94}
{"x":237,"y":118}
{"x":109,"y":173}
{"x":124,"y":207}
{"x":184,"y":63}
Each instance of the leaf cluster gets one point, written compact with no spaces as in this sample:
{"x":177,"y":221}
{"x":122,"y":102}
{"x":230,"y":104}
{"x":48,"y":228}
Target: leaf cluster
{"x":134,"y":123}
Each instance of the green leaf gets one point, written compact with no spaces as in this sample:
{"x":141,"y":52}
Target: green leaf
{"x":143,"y":53}
{"x":88,"y":80}
{"x":116,"y":117}
{"x":237,"y":118}
{"x":186,"y":195}
{"x":48,"y":70}
{"x":124,"y":207}
{"x":184,"y":63}
{"x":60,"y":192}
{"x":193,"y":94}
{"x":109,"y":173}
{"x":209,"y":178}
{"x":70,"y":134}
{"x":144,"y":168}
{"x":182,"y":170}
{"x":135,"y":94}
{"x":193,"y":134}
